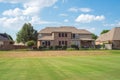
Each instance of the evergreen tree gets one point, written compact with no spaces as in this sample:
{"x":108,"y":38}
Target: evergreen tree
{"x":27,"y":33}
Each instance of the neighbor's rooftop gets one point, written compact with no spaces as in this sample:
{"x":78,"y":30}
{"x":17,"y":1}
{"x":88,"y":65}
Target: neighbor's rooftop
{"x":113,"y":34}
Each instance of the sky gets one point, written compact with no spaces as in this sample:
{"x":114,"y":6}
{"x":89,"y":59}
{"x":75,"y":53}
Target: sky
{"x":92,"y":15}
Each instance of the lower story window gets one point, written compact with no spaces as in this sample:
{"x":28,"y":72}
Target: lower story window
{"x":59,"y":43}
{"x":62,"y":43}
{"x":66,"y":43}
{"x":46,"y":43}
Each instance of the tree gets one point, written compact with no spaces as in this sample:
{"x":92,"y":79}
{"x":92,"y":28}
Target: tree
{"x":94,"y":36}
{"x":27,"y":33}
{"x":104,"y":31}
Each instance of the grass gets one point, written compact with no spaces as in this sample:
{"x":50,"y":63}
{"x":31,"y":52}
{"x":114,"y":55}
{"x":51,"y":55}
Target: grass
{"x":59,"y":65}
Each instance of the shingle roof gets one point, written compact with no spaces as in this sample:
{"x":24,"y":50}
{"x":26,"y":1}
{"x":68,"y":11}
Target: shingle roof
{"x":113,"y":34}
{"x":46,"y":38}
{"x":4,"y":37}
{"x":64,"y":29}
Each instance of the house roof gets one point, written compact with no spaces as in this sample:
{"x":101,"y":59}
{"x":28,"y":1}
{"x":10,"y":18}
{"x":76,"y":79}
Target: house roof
{"x":113,"y":34}
{"x":64,"y":29}
{"x":46,"y":38}
{"x":4,"y":37}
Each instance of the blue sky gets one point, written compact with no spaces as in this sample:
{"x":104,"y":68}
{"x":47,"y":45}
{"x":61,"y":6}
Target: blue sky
{"x":93,"y":15}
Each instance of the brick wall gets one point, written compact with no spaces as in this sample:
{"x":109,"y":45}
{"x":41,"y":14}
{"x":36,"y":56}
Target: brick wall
{"x":57,"y":38}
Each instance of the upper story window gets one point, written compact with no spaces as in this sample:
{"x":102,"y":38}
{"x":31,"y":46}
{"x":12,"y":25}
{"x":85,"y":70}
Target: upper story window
{"x":39,"y":35}
{"x":73,"y":36}
{"x":62,"y":35}
{"x":65,"y":34}
{"x":59,"y":34}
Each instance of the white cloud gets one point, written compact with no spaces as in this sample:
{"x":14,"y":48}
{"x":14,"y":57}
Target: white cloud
{"x":63,"y":15}
{"x":29,"y":13}
{"x":91,"y":29}
{"x":14,"y":1}
{"x":66,"y":20}
{"x":14,"y":12}
{"x":75,"y":9}
{"x":87,"y":18}
{"x":13,"y":23}
{"x":112,"y":25}
{"x":37,"y":20}
{"x":85,"y":9}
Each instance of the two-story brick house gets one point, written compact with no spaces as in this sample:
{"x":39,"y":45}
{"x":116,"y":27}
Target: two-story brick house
{"x":65,"y":36}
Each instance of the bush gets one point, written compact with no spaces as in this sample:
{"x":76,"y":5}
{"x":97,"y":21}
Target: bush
{"x":40,"y":48}
{"x":64,"y":47}
{"x":58,"y":47}
{"x":75,"y":47}
{"x":51,"y":48}
{"x":46,"y":48}
{"x":30,"y":43}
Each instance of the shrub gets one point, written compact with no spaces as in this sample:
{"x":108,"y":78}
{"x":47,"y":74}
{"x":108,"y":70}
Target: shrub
{"x":30,"y":43}
{"x":58,"y":47}
{"x":40,"y":48}
{"x":75,"y":47}
{"x":51,"y":48}
{"x":46,"y":48}
{"x":64,"y":47}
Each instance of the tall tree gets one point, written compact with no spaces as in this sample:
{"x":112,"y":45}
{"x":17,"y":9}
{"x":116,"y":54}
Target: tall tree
{"x":27,"y":33}
{"x":104,"y":31}
{"x":94,"y":36}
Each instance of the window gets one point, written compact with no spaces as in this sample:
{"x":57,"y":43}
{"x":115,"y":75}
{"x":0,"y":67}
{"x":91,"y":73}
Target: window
{"x":59,"y":43}
{"x":59,"y":34}
{"x":73,"y":35}
{"x":43,"y":43}
{"x":48,"y":43}
{"x":66,"y":43}
{"x":62,"y":42}
{"x":65,"y":34}
{"x":62,"y":34}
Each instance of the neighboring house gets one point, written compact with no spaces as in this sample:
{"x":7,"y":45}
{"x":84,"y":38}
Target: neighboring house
{"x":65,"y":36}
{"x":112,"y":37}
{"x":5,"y":41}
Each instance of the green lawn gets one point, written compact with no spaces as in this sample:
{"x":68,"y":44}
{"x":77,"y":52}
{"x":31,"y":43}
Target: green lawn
{"x":92,"y":67}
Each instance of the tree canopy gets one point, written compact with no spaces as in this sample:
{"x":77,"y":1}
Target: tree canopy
{"x":104,"y":31}
{"x":27,"y":33}
{"x":94,"y":36}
